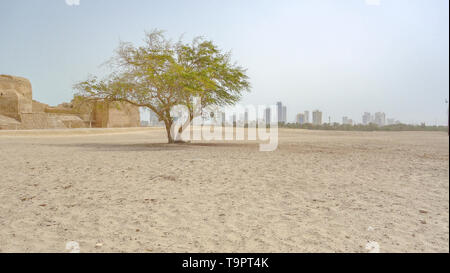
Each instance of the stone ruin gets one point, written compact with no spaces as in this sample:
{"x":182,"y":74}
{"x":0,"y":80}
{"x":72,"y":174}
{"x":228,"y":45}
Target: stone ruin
{"x":18,"y":110}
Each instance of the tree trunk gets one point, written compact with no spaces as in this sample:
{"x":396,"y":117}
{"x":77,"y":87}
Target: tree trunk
{"x":168,"y":131}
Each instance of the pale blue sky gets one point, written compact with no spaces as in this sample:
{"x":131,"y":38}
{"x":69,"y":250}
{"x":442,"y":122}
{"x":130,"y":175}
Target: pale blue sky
{"x":341,"y":56}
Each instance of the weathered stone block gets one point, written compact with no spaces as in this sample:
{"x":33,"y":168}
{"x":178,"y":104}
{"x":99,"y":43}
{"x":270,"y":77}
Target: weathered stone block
{"x":116,"y":114}
{"x":15,"y":96}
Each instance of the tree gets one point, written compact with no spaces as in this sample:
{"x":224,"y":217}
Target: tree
{"x":216,"y":82}
{"x":161,"y":74}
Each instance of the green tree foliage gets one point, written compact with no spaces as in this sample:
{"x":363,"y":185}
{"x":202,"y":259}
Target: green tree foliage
{"x":162,"y":74}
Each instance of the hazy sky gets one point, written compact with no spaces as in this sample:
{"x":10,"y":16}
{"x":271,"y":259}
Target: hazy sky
{"x":343,"y":57}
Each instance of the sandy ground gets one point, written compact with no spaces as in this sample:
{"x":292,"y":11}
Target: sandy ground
{"x":126,"y":191}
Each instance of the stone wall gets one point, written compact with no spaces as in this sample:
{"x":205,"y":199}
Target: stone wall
{"x":34,"y":121}
{"x":15,"y":96}
{"x":115,"y":115}
{"x":8,"y":123}
{"x":69,"y":121}
{"x":49,"y":121}
{"x":123,"y":115}
{"x":16,"y":104}
{"x":39,"y":107}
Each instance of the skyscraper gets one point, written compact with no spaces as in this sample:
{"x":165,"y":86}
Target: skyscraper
{"x":281,"y":111}
{"x":306,"y":116}
{"x":233,"y":119}
{"x":267,"y":113}
{"x":366,"y":118}
{"x":223,"y":118}
{"x":317,"y":117}
{"x":300,"y":119}
{"x":380,"y":118}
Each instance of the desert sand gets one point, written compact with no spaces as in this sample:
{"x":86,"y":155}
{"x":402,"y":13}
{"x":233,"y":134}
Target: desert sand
{"x":124,"y":190}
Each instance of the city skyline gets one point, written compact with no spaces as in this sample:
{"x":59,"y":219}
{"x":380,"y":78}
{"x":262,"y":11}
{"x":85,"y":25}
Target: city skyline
{"x":242,"y":115}
{"x":379,"y":118}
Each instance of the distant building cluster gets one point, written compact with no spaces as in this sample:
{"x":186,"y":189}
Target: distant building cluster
{"x":281,"y":113}
{"x":347,"y":121}
{"x":379,"y":118}
{"x":315,"y":117}
{"x":303,"y":118}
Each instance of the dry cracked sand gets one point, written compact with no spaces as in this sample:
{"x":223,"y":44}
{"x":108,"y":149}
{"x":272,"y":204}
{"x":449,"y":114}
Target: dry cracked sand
{"x":114,"y":190}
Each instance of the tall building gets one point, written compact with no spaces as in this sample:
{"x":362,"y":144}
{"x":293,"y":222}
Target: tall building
{"x":267,"y":113}
{"x":380,"y":119}
{"x":281,"y":111}
{"x":233,"y":119}
{"x":366,"y":118}
{"x":300,"y":119}
{"x":317,"y":117}
{"x":307,"y":117}
{"x":223,"y":118}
